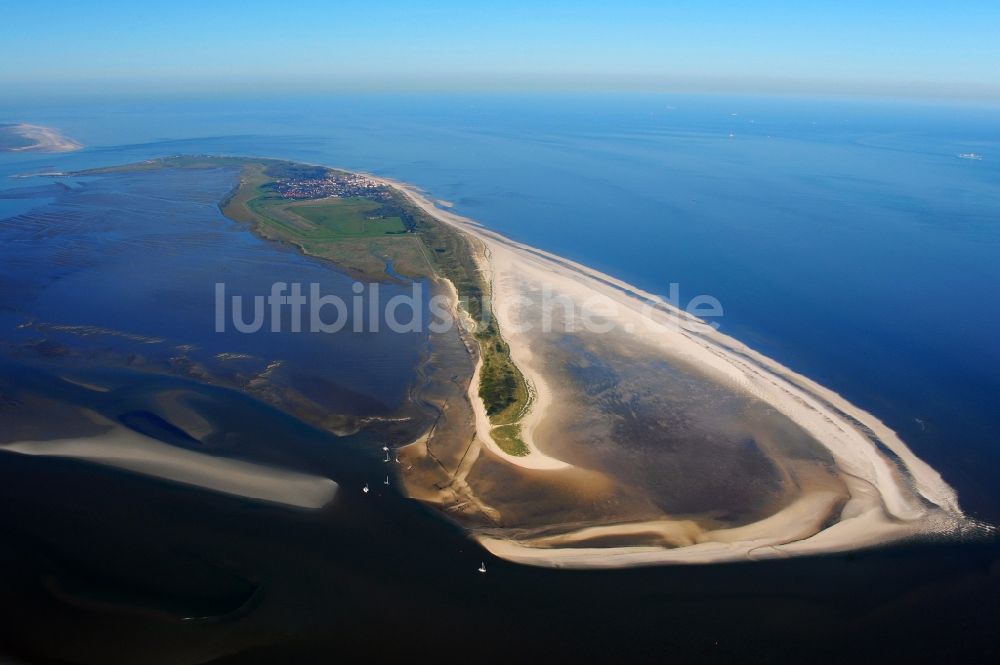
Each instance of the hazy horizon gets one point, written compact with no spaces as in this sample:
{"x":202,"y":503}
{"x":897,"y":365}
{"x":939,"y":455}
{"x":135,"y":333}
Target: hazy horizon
{"x":882,"y":48}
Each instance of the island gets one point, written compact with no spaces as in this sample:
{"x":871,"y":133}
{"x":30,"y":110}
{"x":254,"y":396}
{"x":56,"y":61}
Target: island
{"x":23,"y":137}
{"x":580,"y":421}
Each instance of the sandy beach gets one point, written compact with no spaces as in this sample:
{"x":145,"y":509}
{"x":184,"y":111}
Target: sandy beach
{"x":889,"y":497}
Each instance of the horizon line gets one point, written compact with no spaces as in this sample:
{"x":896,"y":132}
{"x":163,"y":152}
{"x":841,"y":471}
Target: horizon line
{"x":492,"y":83}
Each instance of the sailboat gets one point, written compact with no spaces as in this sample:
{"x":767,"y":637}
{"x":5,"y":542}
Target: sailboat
{"x":365,"y":488}
{"x":386,"y":480}
{"x":482,"y":567}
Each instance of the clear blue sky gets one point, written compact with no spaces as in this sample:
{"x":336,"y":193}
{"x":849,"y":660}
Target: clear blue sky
{"x":920,"y":47}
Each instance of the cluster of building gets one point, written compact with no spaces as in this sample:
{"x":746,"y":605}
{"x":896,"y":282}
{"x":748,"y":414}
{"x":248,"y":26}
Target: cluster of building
{"x":347,"y":185}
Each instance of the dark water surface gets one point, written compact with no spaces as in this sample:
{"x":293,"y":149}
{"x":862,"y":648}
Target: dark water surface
{"x":124,"y":569}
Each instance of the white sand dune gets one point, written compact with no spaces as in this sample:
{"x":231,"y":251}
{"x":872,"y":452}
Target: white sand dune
{"x":891,"y":496}
{"x":124,"y":449}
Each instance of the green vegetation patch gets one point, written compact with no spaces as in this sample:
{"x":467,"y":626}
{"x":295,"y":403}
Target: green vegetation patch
{"x":359,"y":235}
{"x":508,"y":438}
{"x":346,"y":218}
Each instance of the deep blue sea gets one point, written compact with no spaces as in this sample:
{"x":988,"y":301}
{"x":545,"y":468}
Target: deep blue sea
{"x":846,"y":238}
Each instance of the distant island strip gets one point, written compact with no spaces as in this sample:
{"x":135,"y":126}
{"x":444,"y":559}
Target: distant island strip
{"x":22,"y":137}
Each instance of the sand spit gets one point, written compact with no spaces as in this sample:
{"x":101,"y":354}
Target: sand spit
{"x":892,"y":493}
{"x":45,"y":139}
{"x":124,"y":449}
